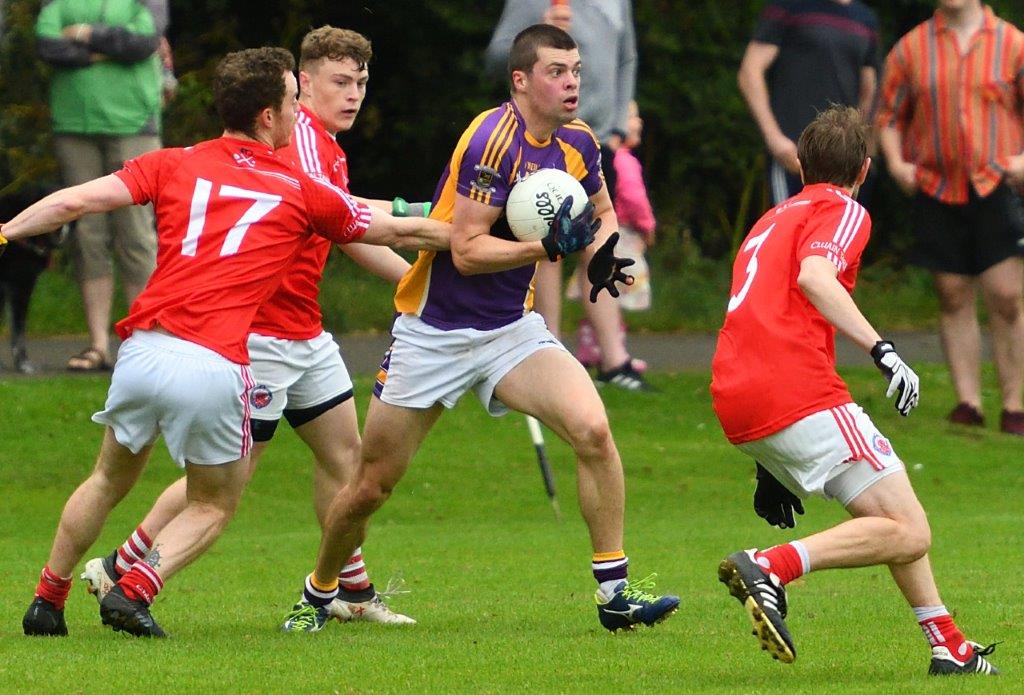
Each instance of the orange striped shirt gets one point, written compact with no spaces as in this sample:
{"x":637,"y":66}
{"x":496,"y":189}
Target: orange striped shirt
{"x":960,"y":114}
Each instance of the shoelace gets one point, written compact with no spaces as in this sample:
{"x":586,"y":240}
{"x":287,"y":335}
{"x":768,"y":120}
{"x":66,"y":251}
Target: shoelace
{"x":984,"y":651}
{"x":639,"y":590}
{"x":394,"y":587}
{"x":303,"y":617}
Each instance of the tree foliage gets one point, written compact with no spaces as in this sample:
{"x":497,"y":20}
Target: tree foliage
{"x":702,"y":153}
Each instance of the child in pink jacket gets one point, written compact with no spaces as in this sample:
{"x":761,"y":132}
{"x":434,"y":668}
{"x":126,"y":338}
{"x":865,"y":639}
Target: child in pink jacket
{"x":636,"y":234}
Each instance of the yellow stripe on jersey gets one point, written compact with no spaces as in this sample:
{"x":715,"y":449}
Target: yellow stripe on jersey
{"x":509,"y":139}
{"x":412,"y":288}
{"x":528,"y":303}
{"x":505,"y":124}
{"x":582,"y":126}
{"x":573,"y":160}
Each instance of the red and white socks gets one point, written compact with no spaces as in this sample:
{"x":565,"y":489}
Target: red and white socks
{"x":141,"y":583}
{"x":53,"y":588}
{"x":787,"y":561}
{"x":940,"y":631}
{"x":353,"y":577}
{"x":132,"y":550}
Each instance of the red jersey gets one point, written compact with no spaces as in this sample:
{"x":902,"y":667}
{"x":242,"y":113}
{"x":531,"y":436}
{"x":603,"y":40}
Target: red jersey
{"x":230,"y":217}
{"x":775,"y":360}
{"x":293,"y":311}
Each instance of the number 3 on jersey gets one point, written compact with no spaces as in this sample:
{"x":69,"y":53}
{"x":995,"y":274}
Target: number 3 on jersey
{"x":263,"y":203}
{"x":754,"y":245}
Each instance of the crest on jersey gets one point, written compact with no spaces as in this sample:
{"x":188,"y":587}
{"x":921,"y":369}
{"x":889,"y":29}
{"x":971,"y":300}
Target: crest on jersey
{"x":881,"y":445}
{"x":484,"y":181}
{"x":244,"y":157}
{"x":260,"y":396}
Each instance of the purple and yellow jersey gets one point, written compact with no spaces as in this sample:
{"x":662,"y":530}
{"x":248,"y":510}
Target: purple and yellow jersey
{"x":493,"y":154}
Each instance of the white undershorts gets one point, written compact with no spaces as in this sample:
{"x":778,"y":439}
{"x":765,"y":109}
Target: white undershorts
{"x":195,"y":397}
{"x":294,"y":374}
{"x":427,"y":365}
{"x":835,"y":453}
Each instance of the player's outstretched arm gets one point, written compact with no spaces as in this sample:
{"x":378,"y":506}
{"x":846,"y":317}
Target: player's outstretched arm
{"x":413,"y":233}
{"x":67,"y":205}
{"x":818,"y":282}
{"x":379,"y":260}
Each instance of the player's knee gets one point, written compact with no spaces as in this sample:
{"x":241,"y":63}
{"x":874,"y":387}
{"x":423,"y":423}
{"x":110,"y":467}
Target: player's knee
{"x":916,"y":539}
{"x":1006,"y":305}
{"x":592,"y":437}
{"x":371,"y":493}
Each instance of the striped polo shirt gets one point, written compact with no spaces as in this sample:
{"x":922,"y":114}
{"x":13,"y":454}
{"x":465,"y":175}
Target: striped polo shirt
{"x":960,"y":113}
{"x":493,"y":154}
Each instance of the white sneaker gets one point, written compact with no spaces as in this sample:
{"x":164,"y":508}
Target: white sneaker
{"x":372,"y":611}
{"x":99,"y":580}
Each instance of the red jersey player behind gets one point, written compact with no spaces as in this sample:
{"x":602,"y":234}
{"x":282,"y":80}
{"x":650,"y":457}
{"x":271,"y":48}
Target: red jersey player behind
{"x":230,"y":217}
{"x":790,"y":293}
{"x":297,"y":366}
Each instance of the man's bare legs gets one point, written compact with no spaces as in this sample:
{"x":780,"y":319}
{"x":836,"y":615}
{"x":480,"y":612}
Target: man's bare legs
{"x":117,"y":469}
{"x":1001,"y":287}
{"x":889,"y":527}
{"x":391,"y":437}
{"x":554,"y":388}
{"x":961,"y":335}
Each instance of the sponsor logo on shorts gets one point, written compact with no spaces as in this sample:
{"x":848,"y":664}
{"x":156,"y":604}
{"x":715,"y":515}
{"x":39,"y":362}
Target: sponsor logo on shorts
{"x":260,"y":396}
{"x":881,"y":445}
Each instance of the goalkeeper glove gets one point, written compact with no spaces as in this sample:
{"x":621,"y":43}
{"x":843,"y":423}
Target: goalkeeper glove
{"x":569,"y":234}
{"x":401,"y":208}
{"x":902,"y":379}
{"x":773,"y":501}
{"x":605,"y":269}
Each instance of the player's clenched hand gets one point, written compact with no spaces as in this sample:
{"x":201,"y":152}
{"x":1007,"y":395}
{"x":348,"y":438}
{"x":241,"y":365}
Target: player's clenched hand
{"x":773,"y":502}
{"x":605,"y":269}
{"x":902,"y":379}
{"x":568,"y":234}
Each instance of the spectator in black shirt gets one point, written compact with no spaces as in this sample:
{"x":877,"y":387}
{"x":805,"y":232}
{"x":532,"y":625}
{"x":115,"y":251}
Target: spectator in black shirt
{"x":805,"y":55}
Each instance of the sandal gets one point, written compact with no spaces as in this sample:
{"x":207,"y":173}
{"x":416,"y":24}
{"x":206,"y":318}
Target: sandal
{"x":88,"y":360}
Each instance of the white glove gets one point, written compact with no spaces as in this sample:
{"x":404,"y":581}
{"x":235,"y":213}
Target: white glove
{"x":902,"y":379}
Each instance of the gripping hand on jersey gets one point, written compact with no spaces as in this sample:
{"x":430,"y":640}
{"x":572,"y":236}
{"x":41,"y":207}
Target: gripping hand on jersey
{"x":605,"y":269}
{"x":773,"y":502}
{"x":902,"y":379}
{"x":568,"y":234}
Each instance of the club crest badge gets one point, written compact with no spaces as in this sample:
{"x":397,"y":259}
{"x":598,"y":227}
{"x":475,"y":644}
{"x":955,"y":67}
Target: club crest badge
{"x":260,"y":396}
{"x":881,"y":445}
{"x":485,"y":176}
{"x":244,"y":157}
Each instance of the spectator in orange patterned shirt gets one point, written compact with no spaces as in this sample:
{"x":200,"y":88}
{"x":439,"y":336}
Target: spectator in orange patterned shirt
{"x":952,"y":130}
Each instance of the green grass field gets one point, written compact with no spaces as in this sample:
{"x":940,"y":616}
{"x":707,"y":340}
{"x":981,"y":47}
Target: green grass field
{"x":502,"y":592}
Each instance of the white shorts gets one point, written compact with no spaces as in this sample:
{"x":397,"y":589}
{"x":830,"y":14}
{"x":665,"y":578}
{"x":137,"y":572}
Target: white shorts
{"x":295,"y":374}
{"x":195,"y":397}
{"x":426,"y":365}
{"x":836,"y":453}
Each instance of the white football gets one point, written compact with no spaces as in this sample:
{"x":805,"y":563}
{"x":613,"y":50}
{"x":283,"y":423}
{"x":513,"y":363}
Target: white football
{"x":533,"y":202}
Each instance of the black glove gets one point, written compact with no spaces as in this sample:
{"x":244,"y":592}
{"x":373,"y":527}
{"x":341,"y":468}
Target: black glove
{"x":605,"y":269}
{"x":773,"y":502}
{"x":902,"y":379}
{"x":570,"y":234}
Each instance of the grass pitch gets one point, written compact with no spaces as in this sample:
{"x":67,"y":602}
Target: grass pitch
{"x":503,"y":592}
